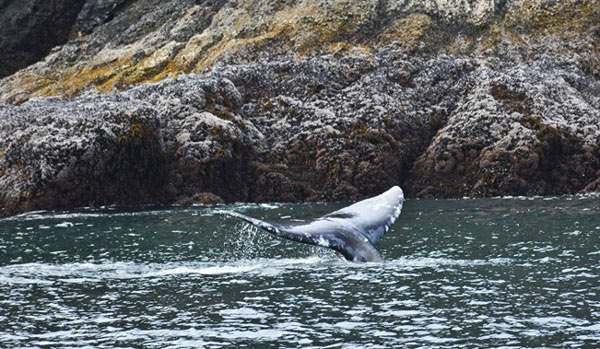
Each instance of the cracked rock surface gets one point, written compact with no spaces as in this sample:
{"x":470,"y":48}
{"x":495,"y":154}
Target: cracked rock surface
{"x":221,"y":101}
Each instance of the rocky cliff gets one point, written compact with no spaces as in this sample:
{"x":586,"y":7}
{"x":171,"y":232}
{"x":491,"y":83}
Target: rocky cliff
{"x":153,"y":101}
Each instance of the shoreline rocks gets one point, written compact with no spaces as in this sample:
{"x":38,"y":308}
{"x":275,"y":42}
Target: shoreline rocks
{"x":494,"y":106}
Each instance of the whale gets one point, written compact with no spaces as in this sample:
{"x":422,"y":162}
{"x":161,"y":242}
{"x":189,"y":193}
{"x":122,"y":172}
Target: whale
{"x":353,"y":231}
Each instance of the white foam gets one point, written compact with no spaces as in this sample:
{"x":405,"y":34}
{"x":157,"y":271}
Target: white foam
{"x":269,"y":206}
{"x":245,"y":313}
{"x":88,"y":272}
{"x":557,"y":321}
{"x":215,"y":270}
{"x":349,"y":325}
{"x":438,"y":262}
{"x":400,"y":313}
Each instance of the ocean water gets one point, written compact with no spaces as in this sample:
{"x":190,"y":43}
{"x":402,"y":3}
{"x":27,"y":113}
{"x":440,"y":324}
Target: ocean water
{"x":503,"y":272}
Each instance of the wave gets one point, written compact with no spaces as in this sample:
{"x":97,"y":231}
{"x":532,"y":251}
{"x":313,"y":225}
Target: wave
{"x":425,"y":262}
{"x":86,"y":272}
{"x":87,"y":212}
{"x":43,"y":273}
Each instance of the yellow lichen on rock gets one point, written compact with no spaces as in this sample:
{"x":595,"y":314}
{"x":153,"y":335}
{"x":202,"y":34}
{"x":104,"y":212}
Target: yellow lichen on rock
{"x":568,"y":20}
{"x":137,"y":131}
{"x":301,"y":30}
{"x":344,"y":48}
{"x":284,"y":25}
{"x":186,"y":58}
{"x":409,"y":31}
{"x":315,"y":27}
{"x":103,"y":76}
{"x":557,"y":18}
{"x":109,"y":76}
{"x":198,"y":39}
{"x":338,"y":28}
{"x":27,"y":85}
{"x":232,"y":45}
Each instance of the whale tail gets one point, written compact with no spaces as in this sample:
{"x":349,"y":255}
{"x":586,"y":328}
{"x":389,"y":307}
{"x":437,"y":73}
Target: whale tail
{"x":353,"y":230}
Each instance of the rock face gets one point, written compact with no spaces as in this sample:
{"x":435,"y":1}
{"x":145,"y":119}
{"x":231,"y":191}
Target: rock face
{"x":158,"y":143}
{"x":31,"y":28}
{"x":204,"y":101}
{"x":518,"y":132}
{"x":92,"y":151}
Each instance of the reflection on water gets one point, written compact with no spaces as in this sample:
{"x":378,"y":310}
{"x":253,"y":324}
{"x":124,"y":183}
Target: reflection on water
{"x":459,"y":273}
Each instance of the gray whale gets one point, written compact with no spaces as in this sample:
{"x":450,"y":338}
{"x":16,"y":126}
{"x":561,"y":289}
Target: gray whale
{"x":353,"y":230}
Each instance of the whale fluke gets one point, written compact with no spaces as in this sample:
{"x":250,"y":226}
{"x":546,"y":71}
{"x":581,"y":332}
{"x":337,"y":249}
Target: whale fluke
{"x":353,"y":230}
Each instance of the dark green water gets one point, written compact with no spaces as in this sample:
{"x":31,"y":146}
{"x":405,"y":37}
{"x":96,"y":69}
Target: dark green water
{"x":460,"y":273}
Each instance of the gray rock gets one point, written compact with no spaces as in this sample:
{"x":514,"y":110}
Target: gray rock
{"x":31,"y":28}
{"x":294,"y":101}
{"x":89,"y":152}
{"x":151,"y":144}
{"x":95,"y":13}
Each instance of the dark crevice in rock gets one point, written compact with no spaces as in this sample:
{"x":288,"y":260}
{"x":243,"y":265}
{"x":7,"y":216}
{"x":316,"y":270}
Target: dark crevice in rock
{"x":95,"y":13}
{"x":31,"y":28}
{"x":513,"y":101}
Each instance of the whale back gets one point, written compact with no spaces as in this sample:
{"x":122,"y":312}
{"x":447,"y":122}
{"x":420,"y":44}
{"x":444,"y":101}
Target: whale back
{"x":372,"y":217}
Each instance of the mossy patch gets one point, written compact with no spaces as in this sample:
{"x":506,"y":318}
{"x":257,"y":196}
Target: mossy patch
{"x":410,"y":31}
{"x":436,"y":122}
{"x":226,"y":114}
{"x":223,"y":137}
{"x":320,"y":29}
{"x":110,"y":76}
{"x":558,"y":18}
{"x":135,"y":76}
{"x":339,"y":28}
{"x":103,"y":76}
{"x":553,"y":141}
{"x":231,"y":45}
{"x":171,"y":70}
{"x":268,"y":105}
{"x":591,"y":61}
{"x":137,"y":132}
{"x":345,"y":48}
{"x":363,"y":133}
{"x":568,"y":20}
{"x":513,"y":101}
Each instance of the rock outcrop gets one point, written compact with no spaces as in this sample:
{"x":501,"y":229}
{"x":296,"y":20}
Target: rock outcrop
{"x":203,"y":101}
{"x":154,"y":144}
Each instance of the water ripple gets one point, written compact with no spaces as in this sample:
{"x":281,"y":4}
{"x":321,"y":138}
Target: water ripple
{"x":515,"y":272}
